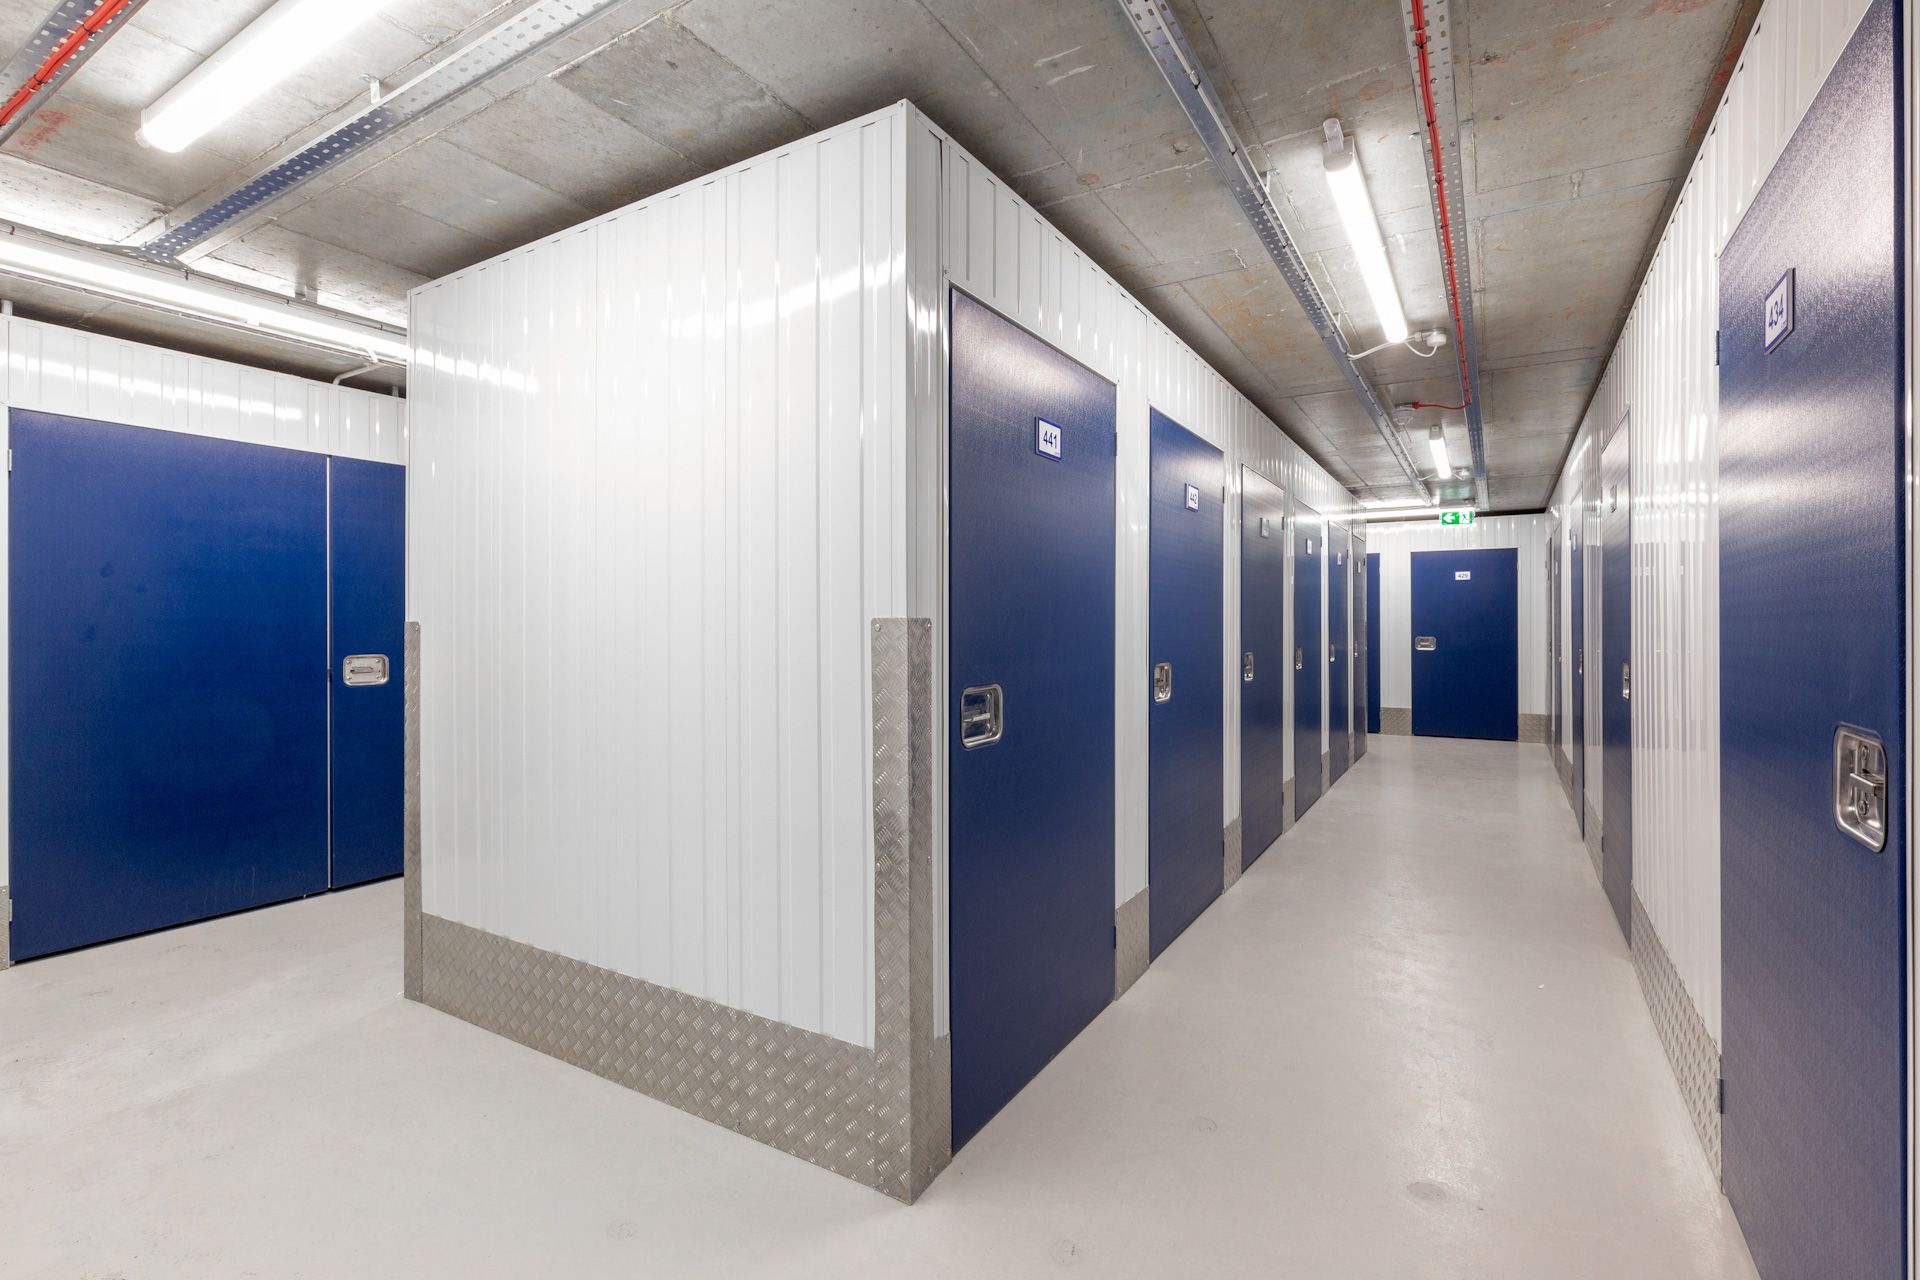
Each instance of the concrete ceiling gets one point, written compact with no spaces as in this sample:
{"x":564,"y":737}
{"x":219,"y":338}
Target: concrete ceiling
{"x":1578,"y":118}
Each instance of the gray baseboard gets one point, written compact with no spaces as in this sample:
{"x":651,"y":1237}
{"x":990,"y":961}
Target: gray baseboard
{"x":880,"y":1116}
{"x":1397,"y":720}
{"x":1232,"y":856}
{"x":1533,"y":728}
{"x":1690,"y":1047}
{"x":1130,"y":942}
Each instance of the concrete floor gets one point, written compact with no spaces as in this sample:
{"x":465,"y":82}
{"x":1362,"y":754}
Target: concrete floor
{"x":1408,"y":1044}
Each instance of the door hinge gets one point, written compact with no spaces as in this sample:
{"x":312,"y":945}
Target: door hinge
{"x":1114,"y":439}
{"x":1721,"y":1102}
{"x":1716,"y":348}
{"x":1116,"y":937}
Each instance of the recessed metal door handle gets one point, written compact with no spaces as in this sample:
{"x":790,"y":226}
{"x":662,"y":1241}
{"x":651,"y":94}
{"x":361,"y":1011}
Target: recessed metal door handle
{"x":1162,"y":681}
{"x":1333,"y":653}
{"x":1246,"y":666}
{"x":1860,"y":786}
{"x":1626,"y":687}
{"x":1299,"y":660}
{"x":982,"y":715}
{"x":1425,"y":644}
{"x":361,"y":669}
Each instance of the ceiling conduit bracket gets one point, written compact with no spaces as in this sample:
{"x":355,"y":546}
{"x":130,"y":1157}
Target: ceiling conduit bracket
{"x":1161,"y":32}
{"x":69,"y":35}
{"x":1430,"y":55}
{"x":520,"y":36}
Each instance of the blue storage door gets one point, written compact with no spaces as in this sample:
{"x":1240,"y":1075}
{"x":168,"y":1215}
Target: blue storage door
{"x":1373,"y":643}
{"x":1265,"y":663}
{"x":1030,"y":652}
{"x":1616,"y":720}
{"x":1362,"y":668}
{"x":168,"y":648}
{"x":369,"y":592}
{"x":1466,"y":644}
{"x":1577,"y":652}
{"x":1186,"y":733}
{"x":1339,"y":656}
{"x":1812,"y":641}
{"x":1309,"y":656}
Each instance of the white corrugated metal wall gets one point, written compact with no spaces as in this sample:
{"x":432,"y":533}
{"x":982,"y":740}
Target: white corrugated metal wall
{"x":695,"y":810}
{"x":1395,"y":543}
{"x":1662,"y":372}
{"x":83,"y":375}
{"x":791,"y":314}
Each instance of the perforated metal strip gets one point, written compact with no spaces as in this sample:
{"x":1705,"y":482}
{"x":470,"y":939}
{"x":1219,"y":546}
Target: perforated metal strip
{"x":527,"y":32}
{"x":28,"y":59}
{"x":1157,"y":26}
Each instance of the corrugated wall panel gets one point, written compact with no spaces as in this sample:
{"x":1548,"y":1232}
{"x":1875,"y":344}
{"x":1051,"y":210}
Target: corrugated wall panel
{"x":1662,"y":375}
{"x":693,"y":810}
{"x":49,"y":369}
{"x":1395,"y":542}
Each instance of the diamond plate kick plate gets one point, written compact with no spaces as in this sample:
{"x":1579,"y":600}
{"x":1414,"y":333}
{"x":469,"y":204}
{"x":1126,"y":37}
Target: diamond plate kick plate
{"x":879,"y":1116}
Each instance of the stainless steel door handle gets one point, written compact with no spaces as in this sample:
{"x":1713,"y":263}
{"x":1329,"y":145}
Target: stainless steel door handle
{"x":1162,"y":681}
{"x":1299,"y":660}
{"x":1246,"y":666}
{"x":360,"y":669}
{"x":1425,"y":644}
{"x":982,"y":715}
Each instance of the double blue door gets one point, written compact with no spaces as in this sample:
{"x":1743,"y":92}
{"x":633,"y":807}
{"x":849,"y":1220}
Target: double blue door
{"x":1264,"y":663}
{"x":1185,"y":641}
{"x":1309,"y":655}
{"x":1812,"y":699}
{"x":1466,"y":644}
{"x":1360,"y":582}
{"x":170,"y":681}
{"x":1030,"y":707}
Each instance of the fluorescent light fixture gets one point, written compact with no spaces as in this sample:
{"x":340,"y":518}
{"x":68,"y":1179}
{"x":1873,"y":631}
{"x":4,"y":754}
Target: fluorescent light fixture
{"x":1437,"y":441}
{"x":1385,"y":506}
{"x":270,"y":48}
{"x":1349,"y":187}
{"x":125,"y":280}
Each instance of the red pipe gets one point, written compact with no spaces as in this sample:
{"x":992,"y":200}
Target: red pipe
{"x":1440,"y":191}
{"x":1422,"y":404}
{"x":63,"y":53}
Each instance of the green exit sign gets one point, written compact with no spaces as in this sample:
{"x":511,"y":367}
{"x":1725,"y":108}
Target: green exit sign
{"x":1456,"y":517}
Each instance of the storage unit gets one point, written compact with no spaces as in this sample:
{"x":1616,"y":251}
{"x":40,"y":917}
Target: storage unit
{"x":764,"y":638}
{"x":194,"y":549}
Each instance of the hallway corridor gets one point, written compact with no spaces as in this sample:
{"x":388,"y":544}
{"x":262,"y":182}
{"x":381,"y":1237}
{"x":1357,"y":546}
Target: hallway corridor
{"x":1409,"y":1044}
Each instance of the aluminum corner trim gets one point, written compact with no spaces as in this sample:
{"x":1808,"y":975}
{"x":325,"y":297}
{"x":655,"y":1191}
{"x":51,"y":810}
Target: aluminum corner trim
{"x":410,"y":983}
{"x":1130,"y":942}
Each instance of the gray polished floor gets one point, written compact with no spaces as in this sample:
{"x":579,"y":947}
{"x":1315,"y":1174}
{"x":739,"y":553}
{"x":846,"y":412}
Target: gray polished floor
{"x":1408,"y":1044}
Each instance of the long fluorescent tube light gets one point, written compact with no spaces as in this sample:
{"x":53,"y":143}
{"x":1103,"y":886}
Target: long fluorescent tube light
{"x":1437,"y":441}
{"x":1387,"y":507}
{"x":124,"y":280}
{"x":1350,"y":198}
{"x":268,"y":50}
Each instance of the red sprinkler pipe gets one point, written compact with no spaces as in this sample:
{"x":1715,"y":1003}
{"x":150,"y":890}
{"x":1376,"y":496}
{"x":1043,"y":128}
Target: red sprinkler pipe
{"x":1440,"y":192}
{"x":63,"y":53}
{"x":1422,"y":404}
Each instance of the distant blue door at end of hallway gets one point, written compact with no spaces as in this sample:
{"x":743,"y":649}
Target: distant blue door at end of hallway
{"x":1339,"y":655}
{"x":1373,"y":642}
{"x":1466,"y":644}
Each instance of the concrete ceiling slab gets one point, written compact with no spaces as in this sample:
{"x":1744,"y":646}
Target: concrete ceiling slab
{"x":1576,"y":124}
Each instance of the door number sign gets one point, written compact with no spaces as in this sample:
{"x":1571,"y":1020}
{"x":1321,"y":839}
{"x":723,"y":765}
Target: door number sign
{"x":1046,"y":439}
{"x":1779,"y":317}
{"x":1193,"y":498}
{"x":1463,"y":575}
